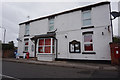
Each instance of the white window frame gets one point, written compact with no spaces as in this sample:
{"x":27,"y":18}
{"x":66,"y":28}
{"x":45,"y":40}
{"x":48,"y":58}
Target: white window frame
{"x":52,"y":46}
{"x":88,"y":42}
{"x":83,"y":12}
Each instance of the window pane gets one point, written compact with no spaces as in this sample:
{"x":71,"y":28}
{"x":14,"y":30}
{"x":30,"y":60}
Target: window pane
{"x":88,"y":47}
{"x":26,"y":32}
{"x":88,"y":38}
{"x":40,"y":50}
{"x":32,"y":48}
{"x":86,"y":15}
{"x":47,"y":49}
{"x":86,"y":22}
{"x":26,"y":29}
{"x":53,"y":42}
{"x":53,"y":49}
{"x":41,"y":42}
{"x":26,"y":48}
{"x":47,"y":41}
{"x":51,"y":21}
{"x":26,"y":43}
{"x":51,"y":28}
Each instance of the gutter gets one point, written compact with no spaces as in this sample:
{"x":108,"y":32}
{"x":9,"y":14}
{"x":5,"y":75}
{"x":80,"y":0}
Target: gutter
{"x":111,"y":22}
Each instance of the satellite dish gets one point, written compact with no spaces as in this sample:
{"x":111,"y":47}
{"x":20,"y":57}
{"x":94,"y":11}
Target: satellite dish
{"x":115,"y":14}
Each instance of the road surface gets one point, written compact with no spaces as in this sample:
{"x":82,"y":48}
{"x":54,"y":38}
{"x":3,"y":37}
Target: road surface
{"x":18,"y":71}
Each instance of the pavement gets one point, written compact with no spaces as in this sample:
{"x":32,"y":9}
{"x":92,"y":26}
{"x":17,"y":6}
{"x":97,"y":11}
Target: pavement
{"x":73,"y":64}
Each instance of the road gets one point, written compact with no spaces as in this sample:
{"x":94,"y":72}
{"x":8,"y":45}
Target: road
{"x":22,"y":70}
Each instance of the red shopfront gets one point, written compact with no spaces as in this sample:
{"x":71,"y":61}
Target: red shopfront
{"x":45,"y":46}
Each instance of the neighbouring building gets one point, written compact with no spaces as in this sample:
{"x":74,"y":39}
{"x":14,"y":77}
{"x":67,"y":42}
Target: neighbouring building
{"x":83,"y":33}
{"x":119,"y":19}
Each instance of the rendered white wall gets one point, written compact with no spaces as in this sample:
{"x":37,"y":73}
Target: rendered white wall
{"x":69,"y":21}
{"x":39,"y":27}
{"x":70,"y":25}
{"x":36,"y":28}
{"x":101,"y":15}
{"x":21,"y":37}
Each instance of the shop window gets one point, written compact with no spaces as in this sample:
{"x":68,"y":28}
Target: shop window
{"x":45,"y":46}
{"x":88,"y":41}
{"x":47,"y":41}
{"x":40,"y":50}
{"x":74,"y":46}
{"x":47,"y":49}
{"x":41,"y":42}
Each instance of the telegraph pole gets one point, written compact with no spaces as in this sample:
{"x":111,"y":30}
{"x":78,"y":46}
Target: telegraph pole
{"x":4,"y":33}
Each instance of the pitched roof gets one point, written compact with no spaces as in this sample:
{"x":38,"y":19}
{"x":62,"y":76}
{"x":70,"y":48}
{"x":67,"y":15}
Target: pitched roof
{"x":76,"y":9}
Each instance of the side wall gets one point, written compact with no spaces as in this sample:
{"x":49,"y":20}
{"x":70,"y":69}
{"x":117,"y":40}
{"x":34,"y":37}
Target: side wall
{"x":70,"y":25}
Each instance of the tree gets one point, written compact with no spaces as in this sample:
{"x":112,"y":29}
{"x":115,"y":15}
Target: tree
{"x":9,"y":46}
{"x":116,"y":39}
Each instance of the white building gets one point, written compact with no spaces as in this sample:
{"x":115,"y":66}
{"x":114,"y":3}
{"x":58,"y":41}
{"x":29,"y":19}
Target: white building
{"x":119,"y":19}
{"x":83,"y":33}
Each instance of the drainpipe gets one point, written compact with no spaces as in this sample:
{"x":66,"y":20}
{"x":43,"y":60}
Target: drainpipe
{"x":111,"y":22}
{"x":35,"y":47}
{"x":56,"y":48}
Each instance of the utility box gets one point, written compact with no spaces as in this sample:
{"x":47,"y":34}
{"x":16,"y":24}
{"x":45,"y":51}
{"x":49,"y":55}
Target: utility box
{"x":115,"y":53}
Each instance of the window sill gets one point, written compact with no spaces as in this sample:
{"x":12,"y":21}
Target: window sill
{"x":88,"y":52}
{"x":26,"y":35}
{"x":45,"y":53}
{"x":75,"y":52}
{"x":87,"y":27}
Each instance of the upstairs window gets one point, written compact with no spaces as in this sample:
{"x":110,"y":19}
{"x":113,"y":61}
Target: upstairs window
{"x":86,"y":17}
{"x":51,"y":23}
{"x":27,"y":25}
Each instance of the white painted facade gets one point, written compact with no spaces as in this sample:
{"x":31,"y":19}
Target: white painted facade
{"x":70,"y":25}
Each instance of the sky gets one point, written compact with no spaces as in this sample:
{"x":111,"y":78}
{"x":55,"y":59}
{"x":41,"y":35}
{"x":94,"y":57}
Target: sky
{"x":12,"y":12}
